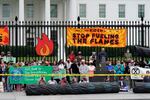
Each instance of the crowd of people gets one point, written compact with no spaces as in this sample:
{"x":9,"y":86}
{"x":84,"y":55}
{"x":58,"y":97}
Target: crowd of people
{"x":75,"y":64}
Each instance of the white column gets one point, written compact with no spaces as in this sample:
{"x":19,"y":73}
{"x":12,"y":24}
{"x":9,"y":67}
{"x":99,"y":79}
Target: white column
{"x":21,"y":10}
{"x":47,"y":10}
{"x":72,"y":10}
{"x":21,"y":18}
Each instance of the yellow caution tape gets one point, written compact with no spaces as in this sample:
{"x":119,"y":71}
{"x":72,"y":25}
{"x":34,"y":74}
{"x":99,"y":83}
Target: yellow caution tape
{"x":74,"y":74}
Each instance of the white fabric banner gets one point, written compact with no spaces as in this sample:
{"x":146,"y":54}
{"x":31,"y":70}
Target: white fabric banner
{"x":138,"y":70}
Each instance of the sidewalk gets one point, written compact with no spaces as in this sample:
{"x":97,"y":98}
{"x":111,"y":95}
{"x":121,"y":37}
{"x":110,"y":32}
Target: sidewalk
{"x":115,"y":96}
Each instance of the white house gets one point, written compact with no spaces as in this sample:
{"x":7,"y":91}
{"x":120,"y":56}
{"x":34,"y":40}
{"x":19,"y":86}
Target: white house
{"x":69,"y":10}
{"x":46,"y":10}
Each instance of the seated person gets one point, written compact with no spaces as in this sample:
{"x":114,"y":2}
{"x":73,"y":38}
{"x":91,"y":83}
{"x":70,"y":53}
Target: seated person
{"x":52,"y":81}
{"x":84,"y":80}
{"x":64,"y":81}
{"x":147,"y":77}
{"x":42,"y":81}
{"x":123,"y":84}
{"x":109,"y":67}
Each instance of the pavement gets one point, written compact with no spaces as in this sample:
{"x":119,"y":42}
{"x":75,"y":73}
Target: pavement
{"x":112,"y":96}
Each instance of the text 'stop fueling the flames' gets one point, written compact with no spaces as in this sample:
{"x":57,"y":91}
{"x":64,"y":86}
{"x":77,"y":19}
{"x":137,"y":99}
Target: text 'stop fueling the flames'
{"x":45,"y":46}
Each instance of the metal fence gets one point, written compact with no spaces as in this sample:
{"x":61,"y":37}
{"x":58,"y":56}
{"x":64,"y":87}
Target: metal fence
{"x":23,"y":38}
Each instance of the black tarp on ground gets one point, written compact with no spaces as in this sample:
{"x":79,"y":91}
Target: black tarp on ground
{"x":141,"y":87}
{"x":78,"y":88}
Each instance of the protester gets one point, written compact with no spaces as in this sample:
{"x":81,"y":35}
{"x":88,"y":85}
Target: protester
{"x":42,"y":81}
{"x":72,"y":56}
{"x":109,"y":67}
{"x":147,"y":77}
{"x":55,"y":71}
{"x":84,"y":80}
{"x":127,"y":68}
{"x":68,"y":66}
{"x":2,"y":55}
{"x":74,"y":80}
{"x":52,"y":81}
{"x":119,"y":69}
{"x":128,"y":56}
{"x":61,"y":65}
{"x":63,"y":82}
{"x":123,"y":84}
{"x":102,"y":57}
{"x":9,"y":86}
{"x":91,"y":70}
{"x":79,"y":57}
{"x":84,"y":69}
{"x":93,"y":58}
{"x":109,"y":70}
{"x":74,"y":68}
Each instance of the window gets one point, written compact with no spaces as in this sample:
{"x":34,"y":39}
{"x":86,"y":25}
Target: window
{"x":29,"y":10}
{"x":54,"y":36}
{"x":121,"y":10}
{"x":53,"y":10}
{"x":82,"y":10}
{"x":30,"y":37}
{"x":102,"y":10}
{"x":6,"y":10}
{"x":141,"y":10}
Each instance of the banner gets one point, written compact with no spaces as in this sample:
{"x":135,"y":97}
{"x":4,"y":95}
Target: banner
{"x":136,"y":70}
{"x":29,"y":70}
{"x":103,"y":37}
{"x":4,"y":36}
{"x":45,"y":46}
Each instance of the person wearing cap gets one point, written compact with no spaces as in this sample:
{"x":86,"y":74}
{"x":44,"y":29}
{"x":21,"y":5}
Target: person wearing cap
{"x":79,"y":57}
{"x":93,"y":58}
{"x":83,"y":69}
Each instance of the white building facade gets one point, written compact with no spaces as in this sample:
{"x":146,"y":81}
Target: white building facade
{"x":95,"y":10}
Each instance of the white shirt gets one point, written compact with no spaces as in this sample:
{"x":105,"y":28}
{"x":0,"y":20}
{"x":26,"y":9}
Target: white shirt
{"x":68,"y":65}
{"x":91,"y":67}
{"x":83,"y":69}
{"x":52,"y":82}
{"x":61,"y":66}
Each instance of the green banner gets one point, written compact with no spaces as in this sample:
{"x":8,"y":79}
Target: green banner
{"x":29,"y":70}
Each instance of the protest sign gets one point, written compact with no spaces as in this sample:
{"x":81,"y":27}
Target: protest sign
{"x":29,"y":70}
{"x":92,"y":37}
{"x":136,"y":71}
